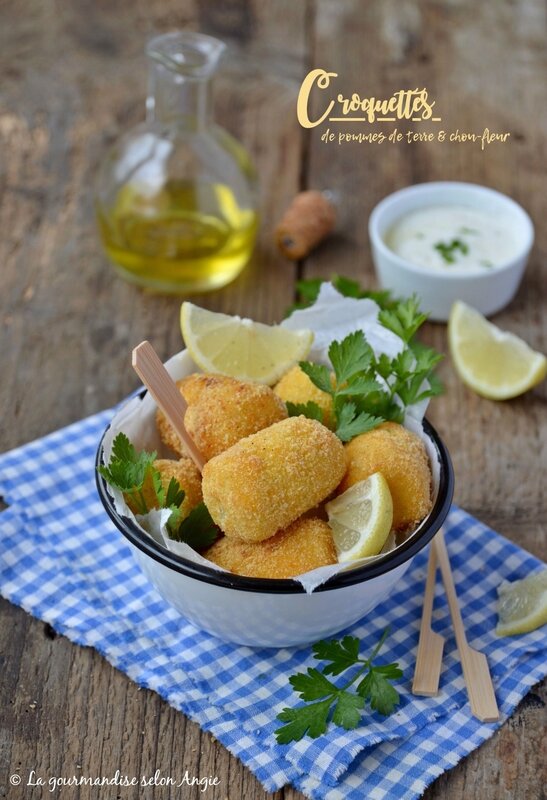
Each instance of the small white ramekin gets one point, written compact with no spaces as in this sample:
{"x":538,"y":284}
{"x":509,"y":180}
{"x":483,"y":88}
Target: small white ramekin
{"x":486,"y":290}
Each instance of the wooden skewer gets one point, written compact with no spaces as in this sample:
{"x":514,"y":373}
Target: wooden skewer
{"x":430,"y":645}
{"x":474,"y":664}
{"x":164,"y":390}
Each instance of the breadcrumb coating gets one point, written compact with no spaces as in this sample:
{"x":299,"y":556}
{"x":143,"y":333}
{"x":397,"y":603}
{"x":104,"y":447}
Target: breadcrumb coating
{"x":401,"y":457}
{"x":296,"y":387}
{"x":185,"y":472}
{"x":266,"y":481}
{"x":303,"y":546}
{"x":221,"y":411}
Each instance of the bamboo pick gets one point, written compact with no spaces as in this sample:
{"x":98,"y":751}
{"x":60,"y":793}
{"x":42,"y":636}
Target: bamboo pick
{"x":474,"y":664}
{"x":163,"y":389}
{"x":430,"y":645}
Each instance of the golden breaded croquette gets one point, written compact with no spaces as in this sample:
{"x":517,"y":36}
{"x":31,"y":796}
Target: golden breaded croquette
{"x":185,"y":472}
{"x":304,"y":545}
{"x":296,"y":387}
{"x":401,"y":457}
{"x":221,"y":411}
{"x":269,"y":479}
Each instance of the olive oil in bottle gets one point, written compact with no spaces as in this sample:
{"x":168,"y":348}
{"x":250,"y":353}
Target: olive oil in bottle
{"x":190,"y":235}
{"x":176,"y":196}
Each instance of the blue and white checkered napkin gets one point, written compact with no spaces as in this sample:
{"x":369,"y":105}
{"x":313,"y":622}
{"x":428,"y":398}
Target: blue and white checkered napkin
{"x":62,"y":560}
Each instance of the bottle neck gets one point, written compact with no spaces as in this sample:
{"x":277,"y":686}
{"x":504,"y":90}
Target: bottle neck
{"x":178,"y":100}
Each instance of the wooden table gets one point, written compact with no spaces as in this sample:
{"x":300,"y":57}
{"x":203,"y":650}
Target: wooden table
{"x":73,"y":78}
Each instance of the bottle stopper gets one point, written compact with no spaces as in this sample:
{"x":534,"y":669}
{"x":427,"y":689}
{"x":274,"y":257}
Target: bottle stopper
{"x":309,"y":219}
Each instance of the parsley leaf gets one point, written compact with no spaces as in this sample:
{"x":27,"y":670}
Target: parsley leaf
{"x":348,"y":287}
{"x":128,"y":470}
{"x":426,"y":357}
{"x":404,"y":319}
{"x":376,"y":687}
{"x":197,"y":529}
{"x":342,"y":654}
{"x":342,"y":706}
{"x":351,"y":423}
{"x":435,"y":385}
{"x":383,"y":366}
{"x":359,"y":385}
{"x":309,"y":409}
{"x":350,"y":356}
{"x":122,"y":449}
{"x":311,"y":720}
{"x":413,"y":374}
{"x":312,"y":685}
{"x":318,"y":374}
{"x":347,"y":713}
{"x":309,"y":289}
{"x":174,"y":495}
{"x":158,"y":487}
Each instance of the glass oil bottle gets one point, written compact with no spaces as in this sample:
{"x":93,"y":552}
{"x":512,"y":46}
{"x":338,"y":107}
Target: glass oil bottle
{"x":176,"y":197}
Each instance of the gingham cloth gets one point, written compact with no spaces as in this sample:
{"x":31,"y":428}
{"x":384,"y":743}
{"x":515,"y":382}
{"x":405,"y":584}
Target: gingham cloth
{"x":63,"y":561}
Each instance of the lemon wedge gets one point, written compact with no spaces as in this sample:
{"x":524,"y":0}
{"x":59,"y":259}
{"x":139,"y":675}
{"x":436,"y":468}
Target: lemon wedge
{"x":495,"y":364}
{"x":522,"y":605}
{"x":241,"y":348}
{"x":361,"y":518}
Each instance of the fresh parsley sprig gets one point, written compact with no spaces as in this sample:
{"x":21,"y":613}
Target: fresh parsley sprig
{"x":352,"y":361}
{"x":336,"y":703}
{"x":129,"y":470}
{"x":367,"y":390}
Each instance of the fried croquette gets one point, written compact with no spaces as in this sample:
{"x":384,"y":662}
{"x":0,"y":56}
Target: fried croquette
{"x":221,"y":411}
{"x":303,"y":546}
{"x":401,"y":457}
{"x":185,"y":472}
{"x":266,"y":481}
{"x":296,"y":387}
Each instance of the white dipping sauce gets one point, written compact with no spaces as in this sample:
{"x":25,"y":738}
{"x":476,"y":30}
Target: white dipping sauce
{"x":452,"y":236}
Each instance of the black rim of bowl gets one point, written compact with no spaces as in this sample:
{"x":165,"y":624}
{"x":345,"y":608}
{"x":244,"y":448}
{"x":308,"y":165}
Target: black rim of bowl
{"x":416,"y":542}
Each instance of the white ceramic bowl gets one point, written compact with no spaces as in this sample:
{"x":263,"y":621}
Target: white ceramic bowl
{"x":486,"y":290}
{"x":260,"y":612}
